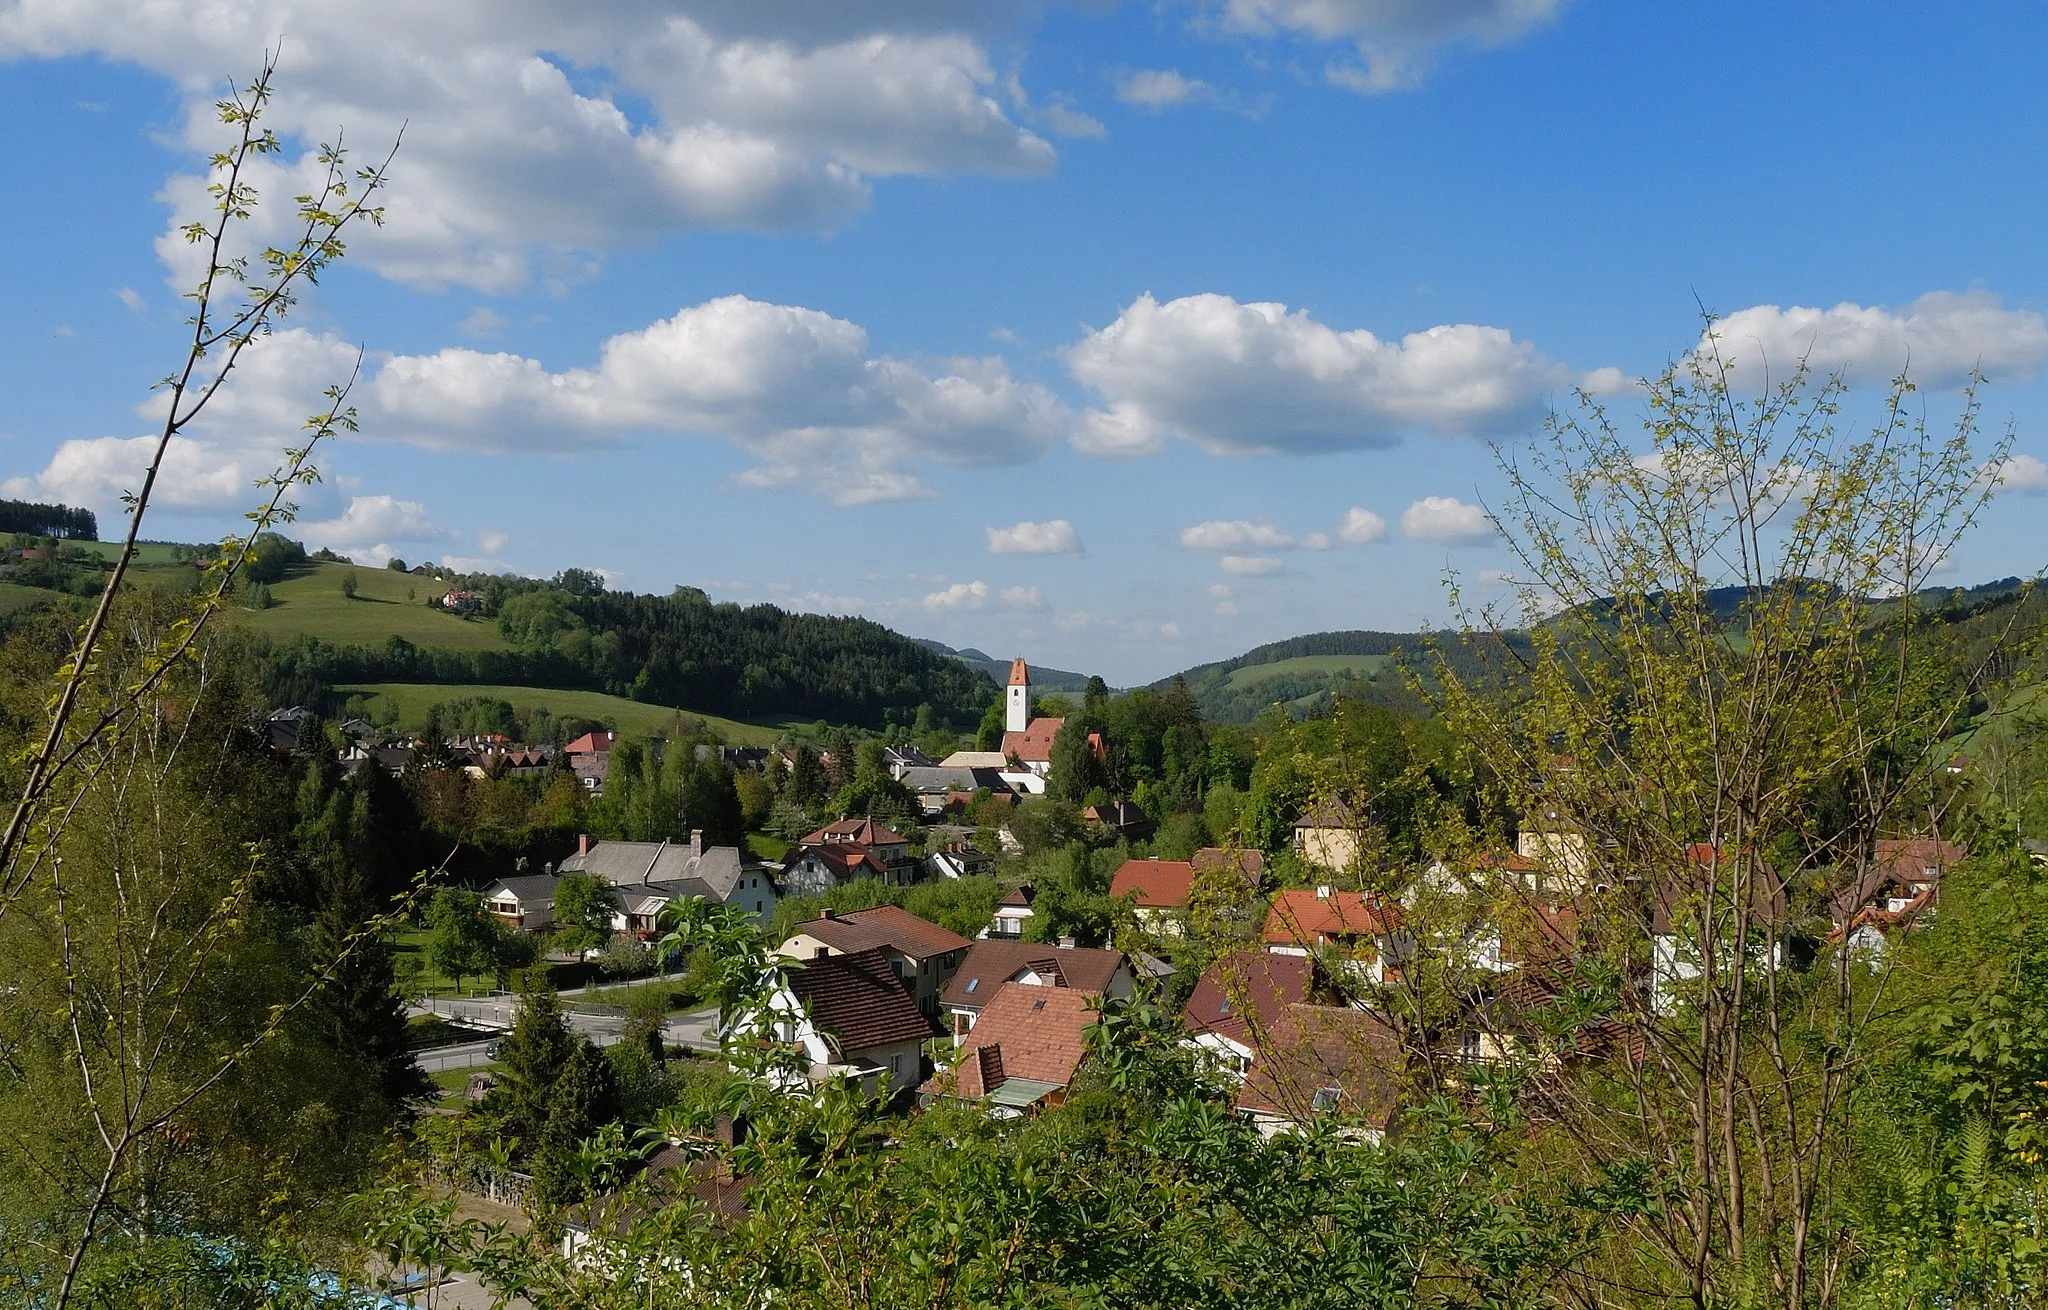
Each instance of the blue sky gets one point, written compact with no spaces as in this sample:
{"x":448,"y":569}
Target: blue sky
{"x":967,"y":317}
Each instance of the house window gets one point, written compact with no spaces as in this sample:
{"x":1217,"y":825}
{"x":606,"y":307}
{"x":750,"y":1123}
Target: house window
{"x":1326,"y":1099}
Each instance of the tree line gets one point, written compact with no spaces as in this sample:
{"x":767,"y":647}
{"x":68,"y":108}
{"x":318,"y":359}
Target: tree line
{"x":42,"y":520}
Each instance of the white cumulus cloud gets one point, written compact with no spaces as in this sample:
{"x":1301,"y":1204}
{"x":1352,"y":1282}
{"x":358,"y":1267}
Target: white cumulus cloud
{"x":1250,"y":566}
{"x":95,"y":471}
{"x":1447,"y":521}
{"x":1022,"y":598}
{"x":1937,"y":340}
{"x":1161,"y":88}
{"x":372,"y":519}
{"x":959,"y":596}
{"x":794,"y":388}
{"x":1362,"y":527}
{"x":1256,"y":379}
{"x":1234,"y":535}
{"x":1396,"y":41}
{"x":2018,"y":473}
{"x":538,"y":129}
{"x":1055,"y":537}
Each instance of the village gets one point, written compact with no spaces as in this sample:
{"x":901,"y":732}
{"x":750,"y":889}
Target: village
{"x":1295,"y":998}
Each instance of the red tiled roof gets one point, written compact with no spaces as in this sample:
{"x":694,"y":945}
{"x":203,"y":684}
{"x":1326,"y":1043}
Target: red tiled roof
{"x":592,"y":743}
{"x":884,"y":925}
{"x":859,"y":999}
{"x":1507,"y":862}
{"x":1535,"y":931}
{"x":1314,"y":1047}
{"x":1029,"y":1032}
{"x":1020,"y":676}
{"x":1242,"y":994}
{"x":1301,"y":917}
{"x":1157,"y":884}
{"x":989,"y":964}
{"x":1034,"y":744}
{"x":856,"y":832}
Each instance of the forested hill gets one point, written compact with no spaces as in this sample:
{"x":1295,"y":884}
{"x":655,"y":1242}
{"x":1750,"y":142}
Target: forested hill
{"x":1043,"y":678}
{"x":1303,"y":673}
{"x":756,"y":663}
{"x":762,"y":661}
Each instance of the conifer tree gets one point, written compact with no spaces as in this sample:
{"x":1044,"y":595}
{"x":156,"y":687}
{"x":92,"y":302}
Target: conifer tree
{"x":359,"y":1012}
{"x":532,"y":1058}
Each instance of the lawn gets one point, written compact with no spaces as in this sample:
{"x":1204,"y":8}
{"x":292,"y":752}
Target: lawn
{"x":454,"y":1082}
{"x":386,"y":604}
{"x":627,"y":716}
{"x":766,"y":846}
{"x":680,"y":998}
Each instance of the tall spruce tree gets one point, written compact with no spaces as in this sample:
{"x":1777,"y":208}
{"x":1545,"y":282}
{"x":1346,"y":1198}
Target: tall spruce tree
{"x":358,"y":1012}
{"x":532,"y":1058}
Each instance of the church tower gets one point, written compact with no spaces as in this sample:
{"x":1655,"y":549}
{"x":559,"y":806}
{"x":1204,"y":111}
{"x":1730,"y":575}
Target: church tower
{"x":1017,"y":715}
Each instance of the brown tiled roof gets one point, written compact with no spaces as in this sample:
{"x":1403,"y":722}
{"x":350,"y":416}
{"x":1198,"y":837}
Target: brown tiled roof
{"x":1034,"y":744}
{"x":1156,"y":884}
{"x":860,"y":1000}
{"x":1020,"y":675}
{"x":1908,"y":859}
{"x":724,"y":1196}
{"x":1334,"y":812}
{"x":1250,"y":863}
{"x":1301,"y":917}
{"x":848,"y":931}
{"x":844,"y":859}
{"x":1027,"y":1032}
{"x":1242,"y":994}
{"x":1314,"y":1047}
{"x":856,"y":832}
{"x":990,"y":964}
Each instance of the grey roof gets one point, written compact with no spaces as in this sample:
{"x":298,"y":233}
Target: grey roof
{"x":945,"y":778}
{"x":636,"y":863}
{"x":527,"y":888}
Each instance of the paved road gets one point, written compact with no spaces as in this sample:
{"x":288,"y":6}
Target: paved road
{"x":694,"y":1029}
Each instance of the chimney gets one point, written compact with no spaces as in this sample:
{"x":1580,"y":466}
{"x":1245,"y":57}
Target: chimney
{"x":583,"y":843}
{"x":828,"y":913}
{"x":1323,"y":892}
{"x":1067,"y":942}
{"x":696,"y":841}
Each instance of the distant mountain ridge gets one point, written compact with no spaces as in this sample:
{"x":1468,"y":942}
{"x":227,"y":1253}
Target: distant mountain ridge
{"x":1043,"y":677}
{"x":1303,"y":673}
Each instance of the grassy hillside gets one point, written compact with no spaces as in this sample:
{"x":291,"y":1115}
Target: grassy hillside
{"x":628,"y":716}
{"x":386,"y":605}
{"x":1335,"y":666}
{"x":1301,"y":674}
{"x":15,"y":597}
